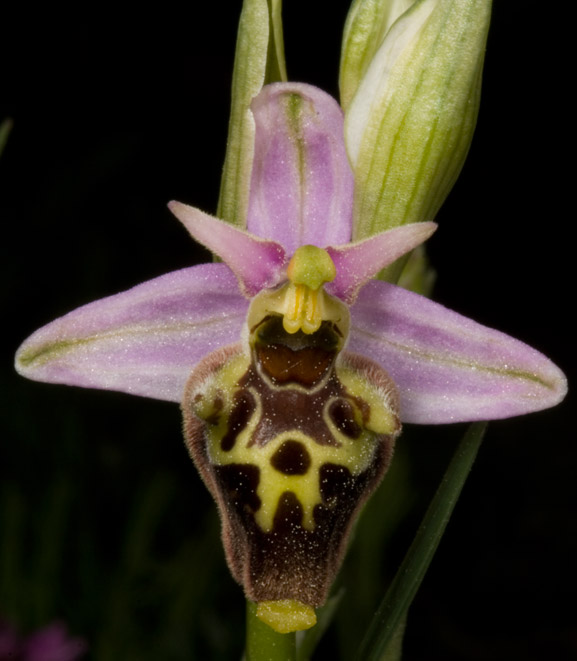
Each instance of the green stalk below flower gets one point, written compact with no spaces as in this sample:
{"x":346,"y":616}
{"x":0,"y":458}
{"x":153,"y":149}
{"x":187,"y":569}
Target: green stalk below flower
{"x":265,"y":644}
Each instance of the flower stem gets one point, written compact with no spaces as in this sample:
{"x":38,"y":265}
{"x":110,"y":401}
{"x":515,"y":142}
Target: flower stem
{"x":393,"y":609}
{"x":265,"y":644}
{"x":5,"y":128}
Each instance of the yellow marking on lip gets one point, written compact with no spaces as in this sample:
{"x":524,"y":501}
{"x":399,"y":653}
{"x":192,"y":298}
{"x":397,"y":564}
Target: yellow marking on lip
{"x":286,"y":615}
{"x":355,"y":455}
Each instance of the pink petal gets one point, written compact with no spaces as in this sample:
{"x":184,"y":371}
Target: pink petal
{"x":302,"y":185}
{"x":357,"y":263}
{"x":258,"y":264}
{"x":52,"y":643}
{"x":449,"y":368}
{"x":9,"y":641}
{"x":144,"y":341}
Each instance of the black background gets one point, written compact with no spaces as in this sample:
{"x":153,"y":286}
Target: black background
{"x":116,"y":112}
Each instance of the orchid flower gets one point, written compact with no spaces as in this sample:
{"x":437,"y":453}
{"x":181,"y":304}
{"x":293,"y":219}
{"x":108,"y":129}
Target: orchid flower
{"x":294,"y":368}
{"x":51,"y":643}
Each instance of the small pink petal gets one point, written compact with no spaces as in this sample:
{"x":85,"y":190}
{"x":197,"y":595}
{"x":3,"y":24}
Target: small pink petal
{"x":53,"y":644}
{"x":9,"y":641}
{"x":258,"y":264}
{"x":357,"y":263}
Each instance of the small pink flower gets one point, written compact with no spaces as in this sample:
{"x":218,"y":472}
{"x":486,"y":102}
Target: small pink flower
{"x":52,"y":643}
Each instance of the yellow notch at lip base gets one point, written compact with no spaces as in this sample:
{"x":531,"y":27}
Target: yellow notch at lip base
{"x":286,"y":615}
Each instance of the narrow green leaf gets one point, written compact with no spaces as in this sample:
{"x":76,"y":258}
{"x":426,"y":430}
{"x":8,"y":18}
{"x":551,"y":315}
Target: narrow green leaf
{"x":259,"y":59}
{"x":393,"y":609}
{"x":394,"y":650}
{"x":276,"y":66}
{"x":5,"y":129}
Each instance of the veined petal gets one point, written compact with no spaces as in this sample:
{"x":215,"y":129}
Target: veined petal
{"x":449,"y":368}
{"x":144,"y":341}
{"x":302,"y":184}
{"x":257,"y":263}
{"x":356,"y":263}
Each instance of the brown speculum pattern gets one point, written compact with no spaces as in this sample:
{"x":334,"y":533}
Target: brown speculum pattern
{"x":290,"y":437}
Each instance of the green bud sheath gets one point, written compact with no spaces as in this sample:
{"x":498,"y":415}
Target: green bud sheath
{"x":367,"y":24}
{"x":259,"y":60}
{"x":409,"y":126}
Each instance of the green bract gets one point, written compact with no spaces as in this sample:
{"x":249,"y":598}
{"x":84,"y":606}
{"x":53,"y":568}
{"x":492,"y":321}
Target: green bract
{"x":367,"y":24}
{"x":409,"y":125}
{"x":259,"y":59}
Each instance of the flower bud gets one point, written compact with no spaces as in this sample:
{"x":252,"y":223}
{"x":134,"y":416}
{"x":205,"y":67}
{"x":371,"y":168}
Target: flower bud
{"x":410,"y":123}
{"x":367,"y":24}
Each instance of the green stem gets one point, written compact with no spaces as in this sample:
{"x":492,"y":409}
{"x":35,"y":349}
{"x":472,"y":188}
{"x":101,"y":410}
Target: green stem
{"x":5,"y":128}
{"x":394,"y":607}
{"x":265,"y":644}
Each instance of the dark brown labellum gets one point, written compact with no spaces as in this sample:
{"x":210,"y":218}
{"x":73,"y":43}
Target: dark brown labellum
{"x":291,"y":438}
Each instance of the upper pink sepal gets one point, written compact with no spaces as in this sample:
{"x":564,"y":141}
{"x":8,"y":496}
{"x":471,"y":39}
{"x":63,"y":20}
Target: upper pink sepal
{"x":356,"y":263}
{"x":302,"y":184}
{"x":257,"y":263}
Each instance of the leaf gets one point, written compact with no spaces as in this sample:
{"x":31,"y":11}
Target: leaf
{"x":259,"y":59}
{"x":5,"y":129}
{"x":395,"y":605}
